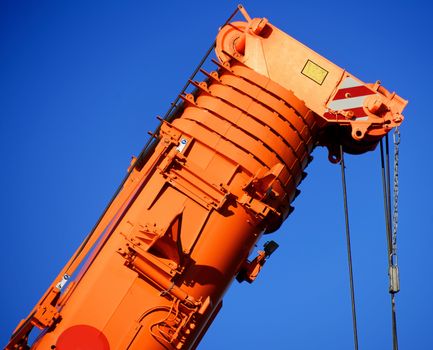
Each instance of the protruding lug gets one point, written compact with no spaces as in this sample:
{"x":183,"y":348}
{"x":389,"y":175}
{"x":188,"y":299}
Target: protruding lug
{"x":376,"y":105}
{"x":333,"y":155}
{"x":258,"y":24}
{"x":358,"y":132}
{"x":244,"y":13}
{"x":270,"y":247}
{"x":132,"y":163}
{"x":250,"y":269}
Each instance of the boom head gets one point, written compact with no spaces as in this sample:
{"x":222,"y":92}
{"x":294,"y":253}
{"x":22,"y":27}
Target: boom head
{"x":350,"y":112}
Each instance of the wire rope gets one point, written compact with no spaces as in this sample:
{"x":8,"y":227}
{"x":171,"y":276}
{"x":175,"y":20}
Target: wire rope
{"x":349,"y":250}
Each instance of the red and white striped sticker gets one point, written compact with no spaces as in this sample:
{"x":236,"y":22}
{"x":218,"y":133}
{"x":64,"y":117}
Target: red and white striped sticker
{"x":350,"y":98}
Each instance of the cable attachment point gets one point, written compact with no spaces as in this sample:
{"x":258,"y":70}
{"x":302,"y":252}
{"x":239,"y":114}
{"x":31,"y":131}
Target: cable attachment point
{"x":394,"y":279}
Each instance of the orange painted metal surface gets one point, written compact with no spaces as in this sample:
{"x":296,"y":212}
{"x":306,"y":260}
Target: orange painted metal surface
{"x":222,"y":172}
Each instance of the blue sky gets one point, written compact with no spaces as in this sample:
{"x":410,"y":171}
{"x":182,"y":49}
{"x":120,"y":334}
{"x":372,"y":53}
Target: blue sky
{"x":81,"y":84}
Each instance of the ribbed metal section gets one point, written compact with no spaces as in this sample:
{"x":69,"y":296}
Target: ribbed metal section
{"x":253,"y":121}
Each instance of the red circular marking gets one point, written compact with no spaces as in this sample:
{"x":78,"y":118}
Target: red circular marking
{"x":82,"y":337}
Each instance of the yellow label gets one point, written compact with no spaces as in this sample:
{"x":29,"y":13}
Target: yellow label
{"x":314,"y":72}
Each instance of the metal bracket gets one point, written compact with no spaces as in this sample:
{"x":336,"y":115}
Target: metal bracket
{"x":260,"y":209}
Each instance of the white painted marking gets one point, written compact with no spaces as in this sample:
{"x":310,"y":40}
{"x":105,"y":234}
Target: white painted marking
{"x":63,"y":281}
{"x":347,"y":103}
{"x":348,"y":83}
{"x":182,"y":145}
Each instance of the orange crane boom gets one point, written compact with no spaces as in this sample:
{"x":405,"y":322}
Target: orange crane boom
{"x":221,"y":171}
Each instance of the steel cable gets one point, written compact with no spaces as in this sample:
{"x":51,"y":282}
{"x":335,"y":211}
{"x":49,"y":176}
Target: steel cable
{"x":349,"y":249}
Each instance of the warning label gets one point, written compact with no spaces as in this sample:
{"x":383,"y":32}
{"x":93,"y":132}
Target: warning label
{"x":314,"y":72}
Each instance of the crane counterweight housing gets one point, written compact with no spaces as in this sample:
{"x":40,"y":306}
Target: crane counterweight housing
{"x":222,"y":170}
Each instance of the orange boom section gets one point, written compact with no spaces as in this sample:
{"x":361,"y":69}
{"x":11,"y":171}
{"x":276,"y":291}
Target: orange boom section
{"x":222,"y":170}
{"x":222,"y":173}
